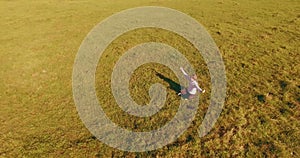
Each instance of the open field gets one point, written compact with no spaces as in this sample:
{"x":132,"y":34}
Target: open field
{"x":259,"y":42}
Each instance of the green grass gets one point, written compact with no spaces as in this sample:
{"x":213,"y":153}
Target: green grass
{"x":259,"y":42}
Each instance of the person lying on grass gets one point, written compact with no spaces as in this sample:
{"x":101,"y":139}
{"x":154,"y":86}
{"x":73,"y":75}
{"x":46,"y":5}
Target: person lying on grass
{"x":193,"y":87}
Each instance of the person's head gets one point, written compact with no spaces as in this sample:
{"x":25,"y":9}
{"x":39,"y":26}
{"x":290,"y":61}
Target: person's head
{"x":194,"y":76}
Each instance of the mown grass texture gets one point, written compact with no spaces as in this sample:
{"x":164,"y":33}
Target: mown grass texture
{"x":259,"y":42}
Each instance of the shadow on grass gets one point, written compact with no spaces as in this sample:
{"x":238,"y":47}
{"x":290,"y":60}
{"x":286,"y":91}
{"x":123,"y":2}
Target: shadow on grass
{"x":261,"y":98}
{"x":283,"y":84}
{"x":173,"y":85}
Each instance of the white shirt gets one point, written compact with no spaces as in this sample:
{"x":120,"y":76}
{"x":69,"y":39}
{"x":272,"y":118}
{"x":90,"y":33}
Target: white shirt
{"x":193,"y":84}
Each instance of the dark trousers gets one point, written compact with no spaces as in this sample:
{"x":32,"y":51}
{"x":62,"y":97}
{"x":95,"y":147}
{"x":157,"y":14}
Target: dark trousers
{"x":184,"y":92}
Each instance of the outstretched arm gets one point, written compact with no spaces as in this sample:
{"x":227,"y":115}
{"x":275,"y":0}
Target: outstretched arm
{"x":185,"y":74}
{"x":198,"y":88}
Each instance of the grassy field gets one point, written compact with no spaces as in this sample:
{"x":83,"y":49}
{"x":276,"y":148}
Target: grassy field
{"x":259,"y":42}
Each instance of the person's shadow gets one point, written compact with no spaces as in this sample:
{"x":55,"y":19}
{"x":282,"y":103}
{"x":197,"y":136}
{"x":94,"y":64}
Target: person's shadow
{"x":173,"y":85}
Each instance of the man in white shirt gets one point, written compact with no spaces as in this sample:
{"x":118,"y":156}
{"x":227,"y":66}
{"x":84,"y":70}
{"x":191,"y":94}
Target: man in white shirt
{"x":193,"y":87}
